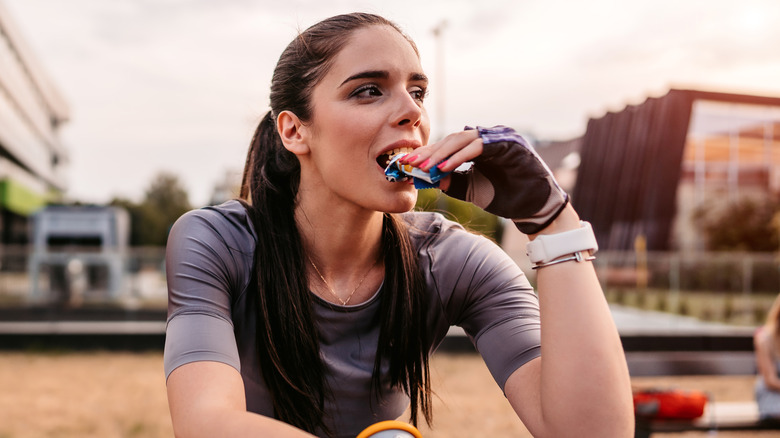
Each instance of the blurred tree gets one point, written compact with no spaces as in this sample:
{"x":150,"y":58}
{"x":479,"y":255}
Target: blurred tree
{"x":465,"y":213}
{"x":743,"y":225}
{"x":165,"y":200}
{"x":136,"y":220}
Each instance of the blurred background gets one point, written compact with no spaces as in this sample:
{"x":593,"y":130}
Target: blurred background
{"x":660,"y":118}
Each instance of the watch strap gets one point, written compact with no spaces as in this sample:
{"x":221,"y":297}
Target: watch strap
{"x":548,"y":247}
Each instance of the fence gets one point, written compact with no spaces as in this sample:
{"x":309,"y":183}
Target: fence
{"x":731,"y":287}
{"x":142,"y":279}
{"x":719,"y":286}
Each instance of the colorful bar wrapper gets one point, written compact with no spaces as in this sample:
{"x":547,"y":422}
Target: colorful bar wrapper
{"x":396,"y":171}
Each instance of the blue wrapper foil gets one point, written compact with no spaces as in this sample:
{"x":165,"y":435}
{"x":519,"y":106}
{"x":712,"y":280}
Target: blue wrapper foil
{"x":396,"y":171}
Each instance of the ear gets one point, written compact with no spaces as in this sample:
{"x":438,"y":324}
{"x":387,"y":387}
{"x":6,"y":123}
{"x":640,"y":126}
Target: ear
{"x":293,"y":133}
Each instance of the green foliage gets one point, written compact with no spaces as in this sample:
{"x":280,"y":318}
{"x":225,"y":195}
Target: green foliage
{"x":743,"y":225}
{"x":465,"y":213}
{"x":165,"y":200}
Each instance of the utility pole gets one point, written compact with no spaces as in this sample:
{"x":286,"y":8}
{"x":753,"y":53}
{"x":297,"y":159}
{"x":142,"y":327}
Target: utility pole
{"x":441,"y":128}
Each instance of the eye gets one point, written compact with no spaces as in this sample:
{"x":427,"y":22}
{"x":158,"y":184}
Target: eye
{"x":366,"y":92}
{"x":419,"y":93}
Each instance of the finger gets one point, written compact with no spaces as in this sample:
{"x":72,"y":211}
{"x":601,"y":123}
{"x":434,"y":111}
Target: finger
{"x":442,"y":148}
{"x":468,"y":153}
{"x":430,"y":155}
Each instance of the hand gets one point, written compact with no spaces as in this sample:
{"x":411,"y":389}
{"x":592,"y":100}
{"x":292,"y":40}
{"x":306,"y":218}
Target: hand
{"x":447,"y":154}
{"x":509,"y":179}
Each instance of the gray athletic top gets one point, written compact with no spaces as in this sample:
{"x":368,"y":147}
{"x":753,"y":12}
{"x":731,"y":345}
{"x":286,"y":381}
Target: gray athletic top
{"x":471,"y":282}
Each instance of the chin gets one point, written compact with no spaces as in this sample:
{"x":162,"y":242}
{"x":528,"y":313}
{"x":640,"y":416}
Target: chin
{"x":400,"y":202}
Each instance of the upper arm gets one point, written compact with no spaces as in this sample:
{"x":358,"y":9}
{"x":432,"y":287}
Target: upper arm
{"x":523,"y":390}
{"x":488,"y":295}
{"x":201,"y":359}
{"x":203,"y":265}
{"x":204,"y":271}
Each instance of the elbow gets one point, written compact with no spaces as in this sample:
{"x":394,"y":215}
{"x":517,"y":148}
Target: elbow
{"x":621,"y":422}
{"x":619,"y":427}
{"x":611,"y":425}
{"x":199,"y":426}
{"x":609,"y":417}
{"x":772,"y":382}
{"x":613,"y":422}
{"x":179,"y":431}
{"x":615,"y":428}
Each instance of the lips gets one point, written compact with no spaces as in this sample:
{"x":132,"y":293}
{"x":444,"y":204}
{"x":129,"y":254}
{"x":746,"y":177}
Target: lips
{"x":401,"y":146}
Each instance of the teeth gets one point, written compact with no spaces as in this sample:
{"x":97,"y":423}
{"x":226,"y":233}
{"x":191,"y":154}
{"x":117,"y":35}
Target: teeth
{"x":397,"y":151}
{"x":387,"y":156}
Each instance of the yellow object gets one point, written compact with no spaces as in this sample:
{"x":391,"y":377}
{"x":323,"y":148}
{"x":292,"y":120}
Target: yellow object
{"x":642,"y":274}
{"x":389,"y":425}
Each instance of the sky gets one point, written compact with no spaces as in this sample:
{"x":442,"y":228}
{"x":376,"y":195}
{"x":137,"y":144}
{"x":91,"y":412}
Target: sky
{"x":178,"y":86}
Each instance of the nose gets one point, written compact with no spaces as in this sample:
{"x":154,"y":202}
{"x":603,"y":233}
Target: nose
{"x":409,"y":111}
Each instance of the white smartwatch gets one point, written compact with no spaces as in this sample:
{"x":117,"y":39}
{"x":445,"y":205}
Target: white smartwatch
{"x":550,"y":249}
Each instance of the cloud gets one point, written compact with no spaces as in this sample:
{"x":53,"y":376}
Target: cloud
{"x":179,"y":84}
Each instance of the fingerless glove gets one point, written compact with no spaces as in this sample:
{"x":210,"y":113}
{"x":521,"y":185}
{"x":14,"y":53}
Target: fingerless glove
{"x":510,"y":180}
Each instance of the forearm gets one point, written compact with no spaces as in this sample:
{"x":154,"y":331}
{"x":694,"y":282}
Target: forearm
{"x":581,"y":385}
{"x":206,"y":399}
{"x":238,"y":424}
{"x":767,"y":371}
{"x":772,"y":383}
{"x":763,"y":344}
{"x":585,"y":386}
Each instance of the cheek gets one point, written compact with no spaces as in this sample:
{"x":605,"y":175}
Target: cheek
{"x":425,"y":127}
{"x":349,"y":131}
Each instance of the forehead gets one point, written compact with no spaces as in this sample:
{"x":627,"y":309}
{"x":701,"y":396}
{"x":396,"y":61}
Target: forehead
{"x":377,"y":47}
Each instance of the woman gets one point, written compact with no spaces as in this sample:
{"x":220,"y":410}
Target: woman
{"x":312,"y":306}
{"x":767,"y":350}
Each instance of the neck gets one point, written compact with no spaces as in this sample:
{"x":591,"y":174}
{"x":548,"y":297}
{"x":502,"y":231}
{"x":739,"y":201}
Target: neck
{"x":341,"y":240}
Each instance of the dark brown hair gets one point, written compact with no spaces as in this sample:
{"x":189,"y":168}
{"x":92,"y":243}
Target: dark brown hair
{"x":296,"y":376}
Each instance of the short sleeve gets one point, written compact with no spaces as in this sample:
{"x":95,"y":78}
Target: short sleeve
{"x":484,"y":291}
{"x":206,"y":266}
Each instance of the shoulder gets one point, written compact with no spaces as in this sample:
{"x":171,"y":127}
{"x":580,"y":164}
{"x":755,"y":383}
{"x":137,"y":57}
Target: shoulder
{"x":210,"y":253}
{"x":426,"y":226}
{"x":229,"y":216}
{"x":429,"y":230}
{"x":227,"y":223}
{"x":444,"y":245}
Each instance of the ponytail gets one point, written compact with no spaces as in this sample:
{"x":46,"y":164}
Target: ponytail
{"x":294,"y":375}
{"x":269,"y":164}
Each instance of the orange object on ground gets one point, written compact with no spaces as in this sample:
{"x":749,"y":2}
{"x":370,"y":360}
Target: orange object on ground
{"x":670,"y":404}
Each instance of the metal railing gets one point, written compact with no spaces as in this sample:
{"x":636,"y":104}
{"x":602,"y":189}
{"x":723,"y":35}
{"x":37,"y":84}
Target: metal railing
{"x":83,"y":277}
{"x":732,"y":287}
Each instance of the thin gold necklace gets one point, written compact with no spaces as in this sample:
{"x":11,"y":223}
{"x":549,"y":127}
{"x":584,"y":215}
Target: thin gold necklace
{"x":330,"y":289}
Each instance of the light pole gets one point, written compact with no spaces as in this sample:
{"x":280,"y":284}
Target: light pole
{"x":438,"y":33}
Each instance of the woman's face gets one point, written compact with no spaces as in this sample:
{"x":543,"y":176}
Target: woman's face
{"x":368,"y":104}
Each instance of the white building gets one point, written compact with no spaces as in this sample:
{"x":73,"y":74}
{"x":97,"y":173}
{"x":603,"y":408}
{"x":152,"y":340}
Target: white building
{"x":32,"y":156}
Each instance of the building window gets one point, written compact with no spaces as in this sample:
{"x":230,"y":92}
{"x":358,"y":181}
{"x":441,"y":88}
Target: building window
{"x":732,"y":148}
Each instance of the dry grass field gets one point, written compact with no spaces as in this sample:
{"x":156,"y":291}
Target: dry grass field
{"x":113,"y":395}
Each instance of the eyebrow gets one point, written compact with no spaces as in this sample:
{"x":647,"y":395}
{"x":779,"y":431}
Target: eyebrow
{"x":383,"y":74}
